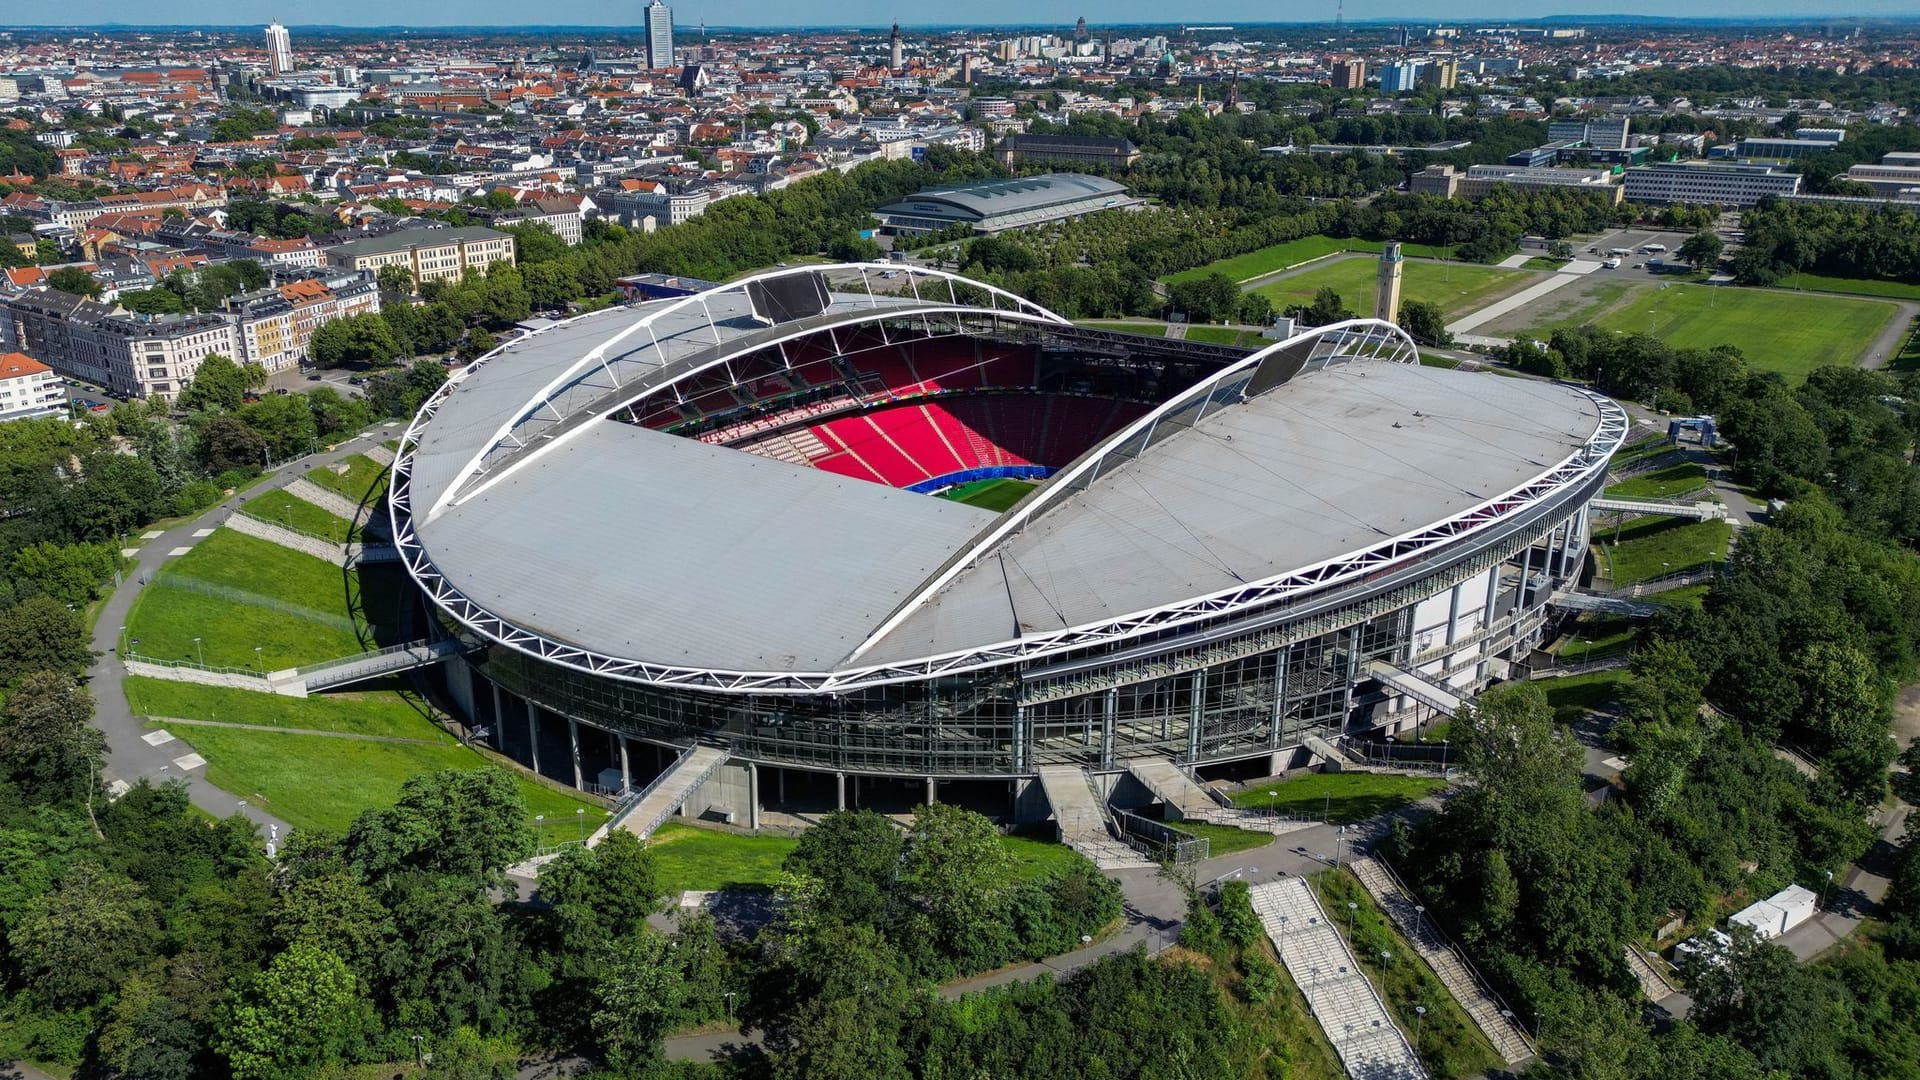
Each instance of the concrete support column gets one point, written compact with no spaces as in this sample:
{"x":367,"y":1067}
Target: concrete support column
{"x":1109,"y":711}
{"x":840,"y":786}
{"x":780,"y":786}
{"x":753,"y":796}
{"x":573,"y":740}
{"x":499,"y":717}
{"x":533,"y":735}
{"x":1277,"y":722}
{"x":1353,"y":672}
{"x":930,"y":798}
{"x":626,"y":767}
{"x":1020,"y":755}
{"x":1196,"y":713}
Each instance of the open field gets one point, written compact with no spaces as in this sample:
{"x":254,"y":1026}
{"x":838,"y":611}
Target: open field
{"x":236,"y":594}
{"x":1339,"y":797}
{"x":361,"y":480}
{"x":1655,"y":547}
{"x":1662,"y":483}
{"x":1564,"y":308}
{"x":315,"y":781}
{"x":1449,"y":1043}
{"x":1898,"y":290}
{"x":384,"y":714}
{"x":996,"y":495}
{"x":1791,"y":333}
{"x":1457,"y":287}
{"x":1267,"y":260}
{"x":283,"y":509}
{"x":1596,"y":637}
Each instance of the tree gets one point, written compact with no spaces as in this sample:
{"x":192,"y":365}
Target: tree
{"x":1702,"y":248}
{"x":470,"y":824}
{"x":1327,"y":307}
{"x":855,"y":857}
{"x":635,"y":999}
{"x":478,"y":343}
{"x":357,"y":339}
{"x":48,"y":744}
{"x":76,"y":943}
{"x":395,"y":280}
{"x":957,"y":870}
{"x":41,"y":634}
{"x":227,"y":444}
{"x":1425,"y":323}
{"x":70,"y":573}
{"x":303,"y":1013}
{"x":218,"y":383}
{"x":284,"y":422}
{"x":76,"y":280}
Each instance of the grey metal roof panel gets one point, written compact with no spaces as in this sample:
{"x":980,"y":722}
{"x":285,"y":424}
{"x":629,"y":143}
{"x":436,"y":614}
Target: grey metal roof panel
{"x":993,"y":198}
{"x":643,"y":544}
{"x":1324,"y":465}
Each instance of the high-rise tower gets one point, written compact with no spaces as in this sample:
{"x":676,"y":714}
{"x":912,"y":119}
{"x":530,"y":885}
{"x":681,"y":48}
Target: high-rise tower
{"x":279,"y":50}
{"x":659,"y":35}
{"x":895,"y":61}
{"x":1386,"y":296}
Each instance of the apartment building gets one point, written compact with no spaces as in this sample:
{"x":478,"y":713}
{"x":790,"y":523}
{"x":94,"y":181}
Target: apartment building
{"x":29,"y":389}
{"x":430,"y":254}
{"x":273,"y":327}
{"x":1716,"y":185}
{"x":133,"y":355}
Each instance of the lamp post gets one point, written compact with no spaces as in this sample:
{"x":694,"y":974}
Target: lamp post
{"x":540,"y":832}
{"x":200,"y":651}
{"x":1419,"y":1021}
{"x":1271,"y":795}
{"x":417,"y":1059}
{"x":1419,"y":918}
{"x":257,"y":662}
{"x":580,"y":815}
{"x":1352,"y":907}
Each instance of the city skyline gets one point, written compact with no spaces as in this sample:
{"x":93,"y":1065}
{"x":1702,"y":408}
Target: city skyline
{"x":864,"y":14}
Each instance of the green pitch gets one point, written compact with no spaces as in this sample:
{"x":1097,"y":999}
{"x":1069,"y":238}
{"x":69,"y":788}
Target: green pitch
{"x":995,"y":495}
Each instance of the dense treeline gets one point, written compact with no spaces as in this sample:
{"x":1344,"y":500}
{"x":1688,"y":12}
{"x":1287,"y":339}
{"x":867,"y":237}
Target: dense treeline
{"x":1842,"y":240}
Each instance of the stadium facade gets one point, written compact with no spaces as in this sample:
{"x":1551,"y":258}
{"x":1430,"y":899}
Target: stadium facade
{"x":718,"y":520}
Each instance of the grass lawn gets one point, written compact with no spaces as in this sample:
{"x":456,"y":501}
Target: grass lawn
{"x":1908,"y":358}
{"x":1568,"y":307}
{"x":1225,"y":335}
{"x":1581,"y":694}
{"x":995,"y":495}
{"x":1339,"y":797}
{"x":316,"y":782}
{"x":1435,"y":360}
{"x":1791,"y":333}
{"x":688,"y":857}
{"x":1457,"y":287}
{"x":1544,"y":262}
{"x":265,"y":589}
{"x":362,"y":478}
{"x":1225,"y":839}
{"x":1684,"y":596}
{"x":1036,"y":859}
{"x":1900,"y":290}
{"x":384,"y":713}
{"x":1655,"y":547}
{"x":1148,"y":329}
{"x":283,"y":509}
{"x":1266,"y":260}
{"x":1450,"y":1044}
{"x":1597,"y":637}
{"x":1662,"y":483}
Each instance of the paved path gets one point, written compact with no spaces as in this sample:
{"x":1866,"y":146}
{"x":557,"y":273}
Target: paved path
{"x":1512,"y":303}
{"x":130,"y":758}
{"x":1886,"y":345}
{"x":1854,"y":896}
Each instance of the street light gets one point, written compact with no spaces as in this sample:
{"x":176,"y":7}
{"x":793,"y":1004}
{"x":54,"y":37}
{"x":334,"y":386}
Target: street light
{"x":580,"y":815}
{"x":540,"y":832}
{"x":201,"y":651}
{"x":1419,"y":1021}
{"x":417,"y":1059}
{"x":257,"y":662}
{"x":1351,"y":908}
{"x":1271,"y":795}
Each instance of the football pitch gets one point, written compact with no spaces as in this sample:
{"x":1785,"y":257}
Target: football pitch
{"x":995,"y":495}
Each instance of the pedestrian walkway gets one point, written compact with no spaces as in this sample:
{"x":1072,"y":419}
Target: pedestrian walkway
{"x":1486,"y":1010}
{"x":1338,"y":993}
{"x":665,"y":795}
{"x":1512,"y":303}
{"x":1082,"y":819}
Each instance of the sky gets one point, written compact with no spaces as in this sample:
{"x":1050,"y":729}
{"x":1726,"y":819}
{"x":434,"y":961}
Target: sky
{"x":880,"y":12}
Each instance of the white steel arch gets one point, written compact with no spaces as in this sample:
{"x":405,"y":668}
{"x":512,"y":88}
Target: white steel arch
{"x":547,"y":398}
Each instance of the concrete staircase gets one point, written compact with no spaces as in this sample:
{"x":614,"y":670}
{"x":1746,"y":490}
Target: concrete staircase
{"x":660,"y":799}
{"x":1187,"y":800}
{"x":1083,"y":820}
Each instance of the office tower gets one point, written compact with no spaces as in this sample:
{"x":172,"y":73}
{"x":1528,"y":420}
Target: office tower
{"x":1386,"y":297}
{"x":893,"y":50}
{"x":279,"y":50}
{"x":659,"y":35}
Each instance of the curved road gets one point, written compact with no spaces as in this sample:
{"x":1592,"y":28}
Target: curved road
{"x":130,"y":758}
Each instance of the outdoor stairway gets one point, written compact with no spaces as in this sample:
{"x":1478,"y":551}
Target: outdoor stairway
{"x":1499,"y":1025}
{"x":1083,"y":821}
{"x":1338,"y":993}
{"x":1653,"y":985}
{"x":666,"y":794}
{"x":301,"y":681}
{"x":1440,"y":699}
{"x":1187,"y":800}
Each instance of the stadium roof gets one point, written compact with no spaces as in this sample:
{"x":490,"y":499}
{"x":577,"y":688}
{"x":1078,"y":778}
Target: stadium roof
{"x":642,"y":546}
{"x":996,"y":204}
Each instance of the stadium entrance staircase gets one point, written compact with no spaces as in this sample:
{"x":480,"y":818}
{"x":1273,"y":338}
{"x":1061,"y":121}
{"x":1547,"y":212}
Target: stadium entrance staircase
{"x":1187,"y":800}
{"x":668,"y":792}
{"x":1439,"y":698}
{"x":1699,"y":511}
{"x":1082,"y":819}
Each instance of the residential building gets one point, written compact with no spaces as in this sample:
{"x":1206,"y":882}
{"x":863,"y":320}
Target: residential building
{"x":279,"y":50}
{"x":429,"y":254}
{"x":273,"y":326}
{"x":1400,"y":77}
{"x":1067,"y":149}
{"x":29,"y":390}
{"x":629,"y":206}
{"x":134,"y":355}
{"x":1440,"y":74}
{"x":659,"y":19}
{"x":1712,"y":184}
{"x":1349,"y":74}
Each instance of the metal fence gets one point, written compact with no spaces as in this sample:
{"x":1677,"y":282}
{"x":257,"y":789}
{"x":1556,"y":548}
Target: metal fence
{"x":1163,"y":842}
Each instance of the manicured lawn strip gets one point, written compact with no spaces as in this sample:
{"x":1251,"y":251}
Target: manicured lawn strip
{"x":1457,"y":287}
{"x":1908,"y":358}
{"x":281,"y":508}
{"x":1662,"y":483}
{"x":1267,"y":260}
{"x":1147,"y":329}
{"x":358,"y":483}
{"x":687,"y":857}
{"x":1596,"y":638}
{"x":239,"y":561}
{"x":1433,"y":360}
{"x":1036,"y":859}
{"x":1582,"y":693}
{"x":387,"y":714}
{"x":312,"y":781}
{"x":1223,"y":335}
{"x":165,"y":620}
{"x":1449,"y":1043}
{"x":1338,"y":797}
{"x":1225,"y":839}
{"x":1899,"y":290}
{"x":1791,"y":333}
{"x":1656,"y":547}
{"x":1543,"y":262}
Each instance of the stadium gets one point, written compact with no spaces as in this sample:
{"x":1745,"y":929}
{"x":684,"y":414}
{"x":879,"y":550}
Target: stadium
{"x":867,"y":534}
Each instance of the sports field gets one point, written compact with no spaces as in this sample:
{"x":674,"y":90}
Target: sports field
{"x":1457,"y":287}
{"x":1791,"y":333}
{"x":1899,"y":290}
{"x":996,"y":495}
{"x":1294,"y":252}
